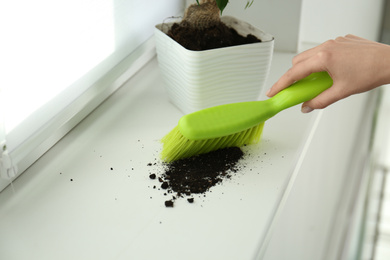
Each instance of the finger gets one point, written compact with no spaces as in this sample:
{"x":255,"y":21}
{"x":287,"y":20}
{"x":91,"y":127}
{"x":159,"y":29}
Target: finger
{"x":306,"y":54}
{"x":354,"y":37}
{"x":313,"y":51}
{"x":350,"y":38}
{"x":323,"y":100}
{"x":297,"y":72}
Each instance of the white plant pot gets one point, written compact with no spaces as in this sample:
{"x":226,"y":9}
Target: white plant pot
{"x":200,"y":79}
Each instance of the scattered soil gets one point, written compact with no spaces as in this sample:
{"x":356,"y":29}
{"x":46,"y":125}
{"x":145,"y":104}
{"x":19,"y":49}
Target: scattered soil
{"x":217,"y":36}
{"x":196,"y":175}
{"x":169,"y":203}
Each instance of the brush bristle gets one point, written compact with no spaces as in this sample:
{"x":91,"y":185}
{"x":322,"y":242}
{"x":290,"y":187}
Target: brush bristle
{"x":176,"y":146}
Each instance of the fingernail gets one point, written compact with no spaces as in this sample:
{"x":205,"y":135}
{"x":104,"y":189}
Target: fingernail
{"x":268,"y":91}
{"x":306,"y":109}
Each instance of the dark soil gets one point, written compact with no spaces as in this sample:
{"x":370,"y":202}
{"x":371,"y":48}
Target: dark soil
{"x":169,"y":203}
{"x":218,"y":36}
{"x":197,"y":174}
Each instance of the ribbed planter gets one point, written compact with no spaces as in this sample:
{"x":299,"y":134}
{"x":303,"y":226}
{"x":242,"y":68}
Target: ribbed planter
{"x":199,"y":79}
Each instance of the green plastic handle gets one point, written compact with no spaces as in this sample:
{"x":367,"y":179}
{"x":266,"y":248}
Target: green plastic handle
{"x":302,"y":91}
{"x":224,"y":120}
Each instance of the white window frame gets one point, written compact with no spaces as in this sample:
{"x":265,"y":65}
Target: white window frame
{"x":15,"y":161}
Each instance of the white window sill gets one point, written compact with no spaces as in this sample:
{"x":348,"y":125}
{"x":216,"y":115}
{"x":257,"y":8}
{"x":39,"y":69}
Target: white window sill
{"x":71,"y":205}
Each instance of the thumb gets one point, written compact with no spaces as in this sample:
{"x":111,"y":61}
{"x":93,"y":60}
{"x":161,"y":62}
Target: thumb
{"x":326,"y":98}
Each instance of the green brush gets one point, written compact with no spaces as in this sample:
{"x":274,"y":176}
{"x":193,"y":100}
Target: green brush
{"x":236,"y":124}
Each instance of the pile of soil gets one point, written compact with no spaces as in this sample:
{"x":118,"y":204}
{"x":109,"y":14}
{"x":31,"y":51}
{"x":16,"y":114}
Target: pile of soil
{"x":197,"y":174}
{"x":217,"y":36}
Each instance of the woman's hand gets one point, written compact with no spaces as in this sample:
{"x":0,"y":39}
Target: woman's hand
{"x":355,"y":64}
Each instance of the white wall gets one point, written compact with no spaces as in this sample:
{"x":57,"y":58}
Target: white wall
{"x":281,"y":18}
{"x":267,"y":15}
{"x":323,"y":20}
{"x":301,"y":24}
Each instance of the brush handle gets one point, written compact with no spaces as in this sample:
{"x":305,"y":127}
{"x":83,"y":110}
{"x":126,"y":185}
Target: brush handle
{"x":229,"y":119}
{"x":301,"y":91}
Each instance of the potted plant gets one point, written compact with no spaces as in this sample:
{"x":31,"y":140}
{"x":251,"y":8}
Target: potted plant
{"x":197,"y":75}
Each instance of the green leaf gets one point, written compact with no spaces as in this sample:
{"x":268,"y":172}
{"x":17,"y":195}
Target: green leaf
{"x":222,"y":4}
{"x":249,"y":4}
{"x":197,"y":1}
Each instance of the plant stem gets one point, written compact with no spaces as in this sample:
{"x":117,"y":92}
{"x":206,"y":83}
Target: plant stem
{"x":204,"y":15}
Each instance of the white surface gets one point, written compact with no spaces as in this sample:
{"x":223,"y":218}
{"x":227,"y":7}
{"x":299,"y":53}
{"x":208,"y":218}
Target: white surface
{"x":280,"y":18}
{"x":39,"y":142}
{"x":116,"y":214}
{"x":315,"y":220}
{"x":323,"y":20}
{"x":382,"y":249}
{"x":382,"y":145}
{"x":375,"y":240}
{"x":200,"y":79}
{"x":106,"y":33}
{"x":59,"y":87}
